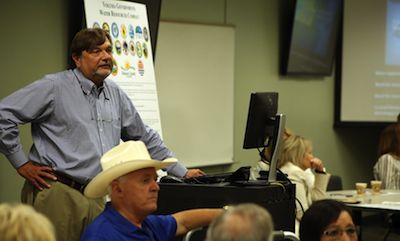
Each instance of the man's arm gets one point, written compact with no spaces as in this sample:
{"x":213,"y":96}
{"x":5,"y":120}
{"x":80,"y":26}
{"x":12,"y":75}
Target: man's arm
{"x":31,"y":103}
{"x":195,"y":218}
{"x":194,"y":173}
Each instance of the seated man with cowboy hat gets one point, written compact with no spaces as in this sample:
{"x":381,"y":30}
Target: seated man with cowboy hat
{"x":129,"y":177}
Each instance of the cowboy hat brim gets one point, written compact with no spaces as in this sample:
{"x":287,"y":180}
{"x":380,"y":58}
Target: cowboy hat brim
{"x":97,"y":187}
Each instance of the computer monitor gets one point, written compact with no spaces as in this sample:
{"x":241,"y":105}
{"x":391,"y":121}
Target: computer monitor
{"x":260,"y":120}
{"x":265,"y":127}
{"x":309,"y":35}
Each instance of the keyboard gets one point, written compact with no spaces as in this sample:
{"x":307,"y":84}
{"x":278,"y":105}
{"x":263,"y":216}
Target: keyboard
{"x":241,"y":174}
{"x":209,"y":178}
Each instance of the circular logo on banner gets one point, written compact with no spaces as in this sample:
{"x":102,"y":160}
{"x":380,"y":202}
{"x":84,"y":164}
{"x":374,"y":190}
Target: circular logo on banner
{"x":115,"y":68}
{"x":145,"y":34}
{"x":106,"y":27}
{"x":145,"y":50}
{"x":114,"y":30}
{"x":118,"y":47}
{"x":141,"y":68}
{"x":125,"y":47}
{"x":138,"y":31}
{"x":139,"y":49}
{"x":132,"y":48}
{"x":124,"y":32}
{"x":131,"y":31}
{"x":96,"y":25}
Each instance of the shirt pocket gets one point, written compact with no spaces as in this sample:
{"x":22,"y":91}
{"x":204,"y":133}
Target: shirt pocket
{"x":111,"y":122}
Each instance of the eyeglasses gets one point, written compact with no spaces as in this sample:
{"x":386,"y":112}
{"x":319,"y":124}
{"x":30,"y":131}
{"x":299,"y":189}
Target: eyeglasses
{"x":336,"y":233}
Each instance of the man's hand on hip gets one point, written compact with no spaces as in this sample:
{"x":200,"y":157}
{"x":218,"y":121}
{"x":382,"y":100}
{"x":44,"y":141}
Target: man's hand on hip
{"x":36,"y":174}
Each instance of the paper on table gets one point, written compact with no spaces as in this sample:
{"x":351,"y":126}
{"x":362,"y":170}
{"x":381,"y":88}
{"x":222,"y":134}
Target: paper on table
{"x":390,"y":203}
{"x":350,"y":199}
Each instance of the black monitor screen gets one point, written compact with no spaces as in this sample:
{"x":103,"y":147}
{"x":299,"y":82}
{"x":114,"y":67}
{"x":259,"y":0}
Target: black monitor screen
{"x":261,"y":119}
{"x":313,"y":38}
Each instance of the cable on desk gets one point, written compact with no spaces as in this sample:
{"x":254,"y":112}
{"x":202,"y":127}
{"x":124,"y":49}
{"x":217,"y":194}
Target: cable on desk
{"x":279,"y":185}
{"x":301,"y":206}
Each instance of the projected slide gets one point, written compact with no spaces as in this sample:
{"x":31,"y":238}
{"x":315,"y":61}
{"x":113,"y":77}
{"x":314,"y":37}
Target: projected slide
{"x":393,"y":33}
{"x":370,"y":78}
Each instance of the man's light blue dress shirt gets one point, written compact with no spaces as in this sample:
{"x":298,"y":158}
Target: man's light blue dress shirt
{"x":73,"y":124}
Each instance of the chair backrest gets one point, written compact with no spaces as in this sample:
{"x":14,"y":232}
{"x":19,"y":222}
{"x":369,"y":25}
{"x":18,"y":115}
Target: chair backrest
{"x":335,"y":183}
{"x":285,"y":236}
{"x":199,"y":234}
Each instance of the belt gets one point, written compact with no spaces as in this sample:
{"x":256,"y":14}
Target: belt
{"x":65,"y":179}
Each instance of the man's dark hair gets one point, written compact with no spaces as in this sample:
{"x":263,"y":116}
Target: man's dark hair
{"x":88,"y":39}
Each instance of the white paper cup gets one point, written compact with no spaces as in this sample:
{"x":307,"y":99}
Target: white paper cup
{"x":360,"y":188}
{"x":376,"y":186}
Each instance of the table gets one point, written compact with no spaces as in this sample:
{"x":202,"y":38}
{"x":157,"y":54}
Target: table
{"x":387,"y":201}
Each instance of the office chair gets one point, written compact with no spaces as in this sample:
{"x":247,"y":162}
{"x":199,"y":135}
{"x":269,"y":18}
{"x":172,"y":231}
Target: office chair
{"x":393,"y":221}
{"x":335,"y":183}
{"x":196,"y":234}
{"x":285,"y":236}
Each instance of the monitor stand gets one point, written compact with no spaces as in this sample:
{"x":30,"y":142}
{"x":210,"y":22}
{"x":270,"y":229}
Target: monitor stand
{"x":280,"y":121}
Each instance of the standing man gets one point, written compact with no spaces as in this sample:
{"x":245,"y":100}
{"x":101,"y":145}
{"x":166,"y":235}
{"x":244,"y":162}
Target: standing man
{"x":129,"y":176}
{"x":76,"y":116}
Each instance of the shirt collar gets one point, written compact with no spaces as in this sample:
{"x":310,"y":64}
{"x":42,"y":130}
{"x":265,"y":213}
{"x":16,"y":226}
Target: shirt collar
{"x":87,"y":85}
{"x":120,"y":222}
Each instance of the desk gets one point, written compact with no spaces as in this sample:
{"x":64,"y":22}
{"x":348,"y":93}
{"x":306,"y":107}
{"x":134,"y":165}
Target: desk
{"x":279,"y":200}
{"x":387,"y":201}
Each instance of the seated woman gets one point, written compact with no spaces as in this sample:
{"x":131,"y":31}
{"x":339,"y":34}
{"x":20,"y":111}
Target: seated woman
{"x":387,"y":168}
{"x":328,"y":220}
{"x":295,"y":159}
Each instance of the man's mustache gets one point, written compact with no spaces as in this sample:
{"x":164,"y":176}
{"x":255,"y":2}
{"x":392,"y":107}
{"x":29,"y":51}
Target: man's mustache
{"x":107,"y":64}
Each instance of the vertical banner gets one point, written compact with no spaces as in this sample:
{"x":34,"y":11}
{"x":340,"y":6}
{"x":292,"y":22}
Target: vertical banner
{"x":133,"y":69}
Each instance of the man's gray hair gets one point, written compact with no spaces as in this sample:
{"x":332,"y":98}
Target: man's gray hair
{"x":244,"y":222}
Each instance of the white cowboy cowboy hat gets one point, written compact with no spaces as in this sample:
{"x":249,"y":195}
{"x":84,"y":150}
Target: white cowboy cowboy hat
{"x":125,"y":158}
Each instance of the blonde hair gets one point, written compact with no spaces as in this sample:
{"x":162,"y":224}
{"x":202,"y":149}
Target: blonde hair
{"x":20,"y":222}
{"x":267,"y":151}
{"x":294,"y":149}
